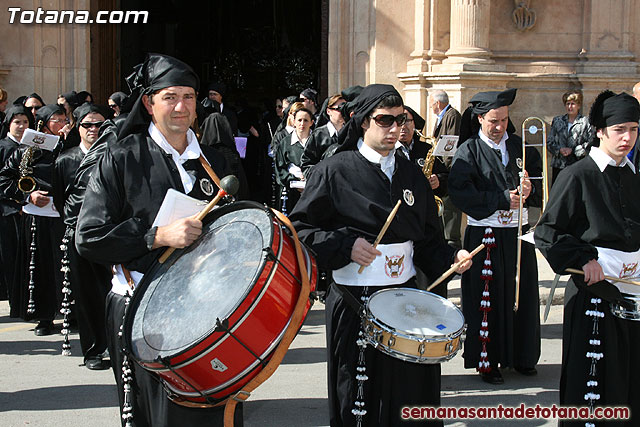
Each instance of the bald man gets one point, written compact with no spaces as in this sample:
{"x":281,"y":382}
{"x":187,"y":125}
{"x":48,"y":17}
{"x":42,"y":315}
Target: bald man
{"x":636,"y":91}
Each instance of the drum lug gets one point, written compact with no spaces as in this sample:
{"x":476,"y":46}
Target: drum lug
{"x":269,"y":254}
{"x":421,"y":348}
{"x":449,"y":347}
{"x":392,"y":341}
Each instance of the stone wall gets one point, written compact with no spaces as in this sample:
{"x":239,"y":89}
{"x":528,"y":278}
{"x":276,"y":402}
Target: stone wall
{"x":45,"y":58}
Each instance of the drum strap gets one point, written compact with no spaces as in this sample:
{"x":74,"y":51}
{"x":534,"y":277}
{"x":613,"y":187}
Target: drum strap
{"x":127,"y":275}
{"x":349,"y":299}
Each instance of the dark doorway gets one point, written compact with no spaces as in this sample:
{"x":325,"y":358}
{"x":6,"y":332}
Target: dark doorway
{"x":259,"y":48}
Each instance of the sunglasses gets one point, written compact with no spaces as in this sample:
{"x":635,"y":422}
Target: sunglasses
{"x":113,"y":106}
{"x":386,"y":120}
{"x":87,"y":125}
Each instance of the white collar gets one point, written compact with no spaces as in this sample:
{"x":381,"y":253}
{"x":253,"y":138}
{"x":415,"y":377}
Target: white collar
{"x":603,"y":160}
{"x":221,"y":107}
{"x":289,"y":128}
{"x":84,"y":149}
{"x":332,"y":129}
{"x":13,"y":138}
{"x":502,"y":145}
{"x":387,"y":163}
{"x":404,"y":149}
{"x":191,"y":152}
{"x":294,"y":139}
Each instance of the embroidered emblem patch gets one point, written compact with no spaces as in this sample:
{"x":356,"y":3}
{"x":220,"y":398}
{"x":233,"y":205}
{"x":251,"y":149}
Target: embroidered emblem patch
{"x":628,"y":270}
{"x":505,"y":217}
{"x":449,"y":145}
{"x":407,"y":195}
{"x":420,"y":162}
{"x":394,"y":266}
{"x":519,"y":162}
{"x":206,"y":186}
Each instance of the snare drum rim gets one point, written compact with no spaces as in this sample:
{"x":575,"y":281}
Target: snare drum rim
{"x":156,"y":266}
{"x":409,"y":335}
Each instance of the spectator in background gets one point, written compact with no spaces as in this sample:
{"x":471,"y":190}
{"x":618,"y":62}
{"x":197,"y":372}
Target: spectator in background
{"x":217,"y":92}
{"x":115,"y":102}
{"x":310,"y":100}
{"x":569,"y":135}
{"x":4,"y":100}
{"x":324,"y":136}
{"x":33,"y":102}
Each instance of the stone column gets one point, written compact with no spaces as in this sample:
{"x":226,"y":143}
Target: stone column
{"x":469,"y":40}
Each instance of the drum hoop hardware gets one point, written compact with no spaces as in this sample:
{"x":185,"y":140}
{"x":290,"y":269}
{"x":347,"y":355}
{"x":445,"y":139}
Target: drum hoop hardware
{"x":164,"y":361}
{"x":272,"y":257}
{"x":220,"y":326}
{"x":237,"y":397}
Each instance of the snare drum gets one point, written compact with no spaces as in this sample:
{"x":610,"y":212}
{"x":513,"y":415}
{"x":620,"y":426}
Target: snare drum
{"x":629,"y":309}
{"x":208,"y":319}
{"x":413,"y":325}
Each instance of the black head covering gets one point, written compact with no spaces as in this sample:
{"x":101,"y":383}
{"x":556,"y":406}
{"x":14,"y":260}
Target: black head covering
{"x":323,"y":117}
{"x":11,"y":112}
{"x":418,"y":121}
{"x":45,"y":113}
{"x":311,"y":94}
{"x":155,"y":73}
{"x":364,"y":104}
{"x":610,"y":109}
{"x":351,"y":93}
{"x":119,"y":98}
{"x":219,"y":87}
{"x":33,"y":95}
{"x":88,"y":108}
{"x":482,"y":103}
{"x":82,"y":97}
{"x":72,"y":99}
{"x":20,"y":100}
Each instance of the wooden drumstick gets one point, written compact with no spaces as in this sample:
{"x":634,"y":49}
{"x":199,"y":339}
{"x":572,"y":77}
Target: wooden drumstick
{"x":384,"y":230}
{"x":228,"y":185}
{"x":454,"y":267}
{"x":609,"y":278}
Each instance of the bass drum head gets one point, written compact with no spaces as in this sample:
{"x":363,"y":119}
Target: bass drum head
{"x":415,"y":312}
{"x":179,"y":302}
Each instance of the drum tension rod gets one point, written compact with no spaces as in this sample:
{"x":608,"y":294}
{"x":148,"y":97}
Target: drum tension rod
{"x":224,"y":326}
{"x":165,"y":362}
{"x":272,"y":257}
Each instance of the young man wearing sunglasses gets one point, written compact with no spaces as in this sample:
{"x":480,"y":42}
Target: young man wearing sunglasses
{"x":345,"y":204}
{"x":90,"y":282}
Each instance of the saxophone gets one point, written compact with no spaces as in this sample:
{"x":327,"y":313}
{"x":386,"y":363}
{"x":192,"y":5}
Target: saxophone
{"x":26,"y":183}
{"x":427,"y":170}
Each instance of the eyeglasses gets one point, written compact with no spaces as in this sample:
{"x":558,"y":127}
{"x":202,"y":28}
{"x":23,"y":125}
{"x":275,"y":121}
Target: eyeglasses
{"x":279,"y":107}
{"x":338,"y":108}
{"x":65,"y":121}
{"x":386,"y":120}
{"x":113,"y":106}
{"x":88,"y":125}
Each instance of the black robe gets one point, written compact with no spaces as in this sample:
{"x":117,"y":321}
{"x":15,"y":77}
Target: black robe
{"x":48,"y":234}
{"x":90,"y":282}
{"x":479,"y":185}
{"x":122,"y":199}
{"x":315,"y":147}
{"x":349,"y":197}
{"x":9,"y":219}
{"x":589,"y":208}
{"x":284,"y":155}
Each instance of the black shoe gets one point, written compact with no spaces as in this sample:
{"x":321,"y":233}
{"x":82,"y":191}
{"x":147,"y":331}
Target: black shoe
{"x":492,"y":377}
{"x":97,"y":364}
{"x":43,"y":328}
{"x":527,"y":372}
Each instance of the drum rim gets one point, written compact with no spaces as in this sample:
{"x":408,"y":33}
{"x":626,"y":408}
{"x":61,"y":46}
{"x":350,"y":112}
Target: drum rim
{"x":369,"y":316}
{"x":142,"y":287}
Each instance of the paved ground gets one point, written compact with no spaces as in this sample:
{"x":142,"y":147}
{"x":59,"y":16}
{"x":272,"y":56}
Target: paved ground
{"x":39,"y":387}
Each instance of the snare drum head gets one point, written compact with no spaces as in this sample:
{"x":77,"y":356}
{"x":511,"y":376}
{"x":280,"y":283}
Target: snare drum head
{"x":183,"y":298}
{"x":415,"y":312}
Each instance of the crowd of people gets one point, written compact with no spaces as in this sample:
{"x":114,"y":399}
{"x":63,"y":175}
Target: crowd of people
{"x":77,"y":224}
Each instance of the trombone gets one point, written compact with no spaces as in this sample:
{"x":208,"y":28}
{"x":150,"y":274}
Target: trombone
{"x":532,"y":129}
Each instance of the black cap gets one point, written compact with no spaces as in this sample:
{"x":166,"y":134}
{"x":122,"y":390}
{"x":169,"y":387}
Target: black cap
{"x":418,"y":121}
{"x":219,"y":87}
{"x":11,"y":112}
{"x":610,"y":109}
{"x":44,"y":113}
{"x":484,"y":102}
{"x":311,"y":94}
{"x":87,"y":108}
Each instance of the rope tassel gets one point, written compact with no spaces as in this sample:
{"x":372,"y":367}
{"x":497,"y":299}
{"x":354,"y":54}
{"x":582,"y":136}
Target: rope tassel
{"x":485,"y":302}
{"x":31,"y":305}
{"x":65,"y":310}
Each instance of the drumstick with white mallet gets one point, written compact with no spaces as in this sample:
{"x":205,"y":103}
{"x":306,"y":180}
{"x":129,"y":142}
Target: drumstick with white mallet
{"x":384,"y":230}
{"x":455,"y":266}
{"x":228,"y":186}
{"x":609,"y":278}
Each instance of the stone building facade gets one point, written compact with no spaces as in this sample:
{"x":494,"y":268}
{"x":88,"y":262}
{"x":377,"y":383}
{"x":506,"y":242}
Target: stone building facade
{"x":540,"y":47}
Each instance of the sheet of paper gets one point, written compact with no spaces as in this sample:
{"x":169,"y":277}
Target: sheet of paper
{"x":447,"y":146}
{"x":38,"y":139}
{"x":175,"y":206}
{"x":298,"y":184}
{"x":528,"y":238}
